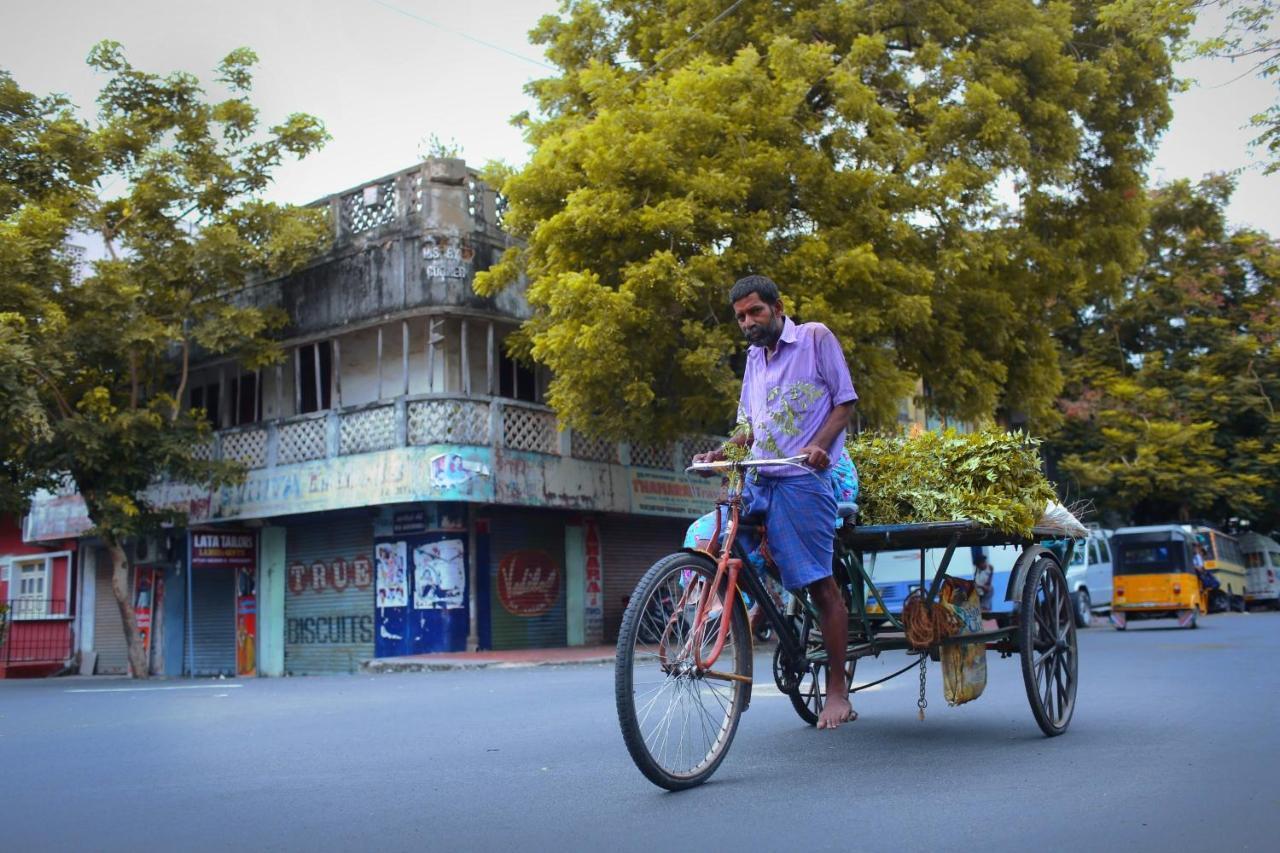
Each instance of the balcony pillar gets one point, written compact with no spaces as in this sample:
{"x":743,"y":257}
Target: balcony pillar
{"x":271,"y":453}
{"x":495,"y":423}
{"x":332,"y":434}
{"x":402,"y":422}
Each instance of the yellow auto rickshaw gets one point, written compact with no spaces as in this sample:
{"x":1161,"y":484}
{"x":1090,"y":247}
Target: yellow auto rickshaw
{"x":1154,"y":576}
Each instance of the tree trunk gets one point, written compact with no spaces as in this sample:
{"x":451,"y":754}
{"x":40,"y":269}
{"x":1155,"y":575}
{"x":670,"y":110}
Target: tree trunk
{"x":122,"y":589}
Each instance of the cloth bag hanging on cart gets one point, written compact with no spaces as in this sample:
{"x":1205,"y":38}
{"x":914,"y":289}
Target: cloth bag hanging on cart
{"x":964,"y":665}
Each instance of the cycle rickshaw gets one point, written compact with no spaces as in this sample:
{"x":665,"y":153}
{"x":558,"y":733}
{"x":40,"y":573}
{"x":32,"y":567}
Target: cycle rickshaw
{"x":683,"y":673}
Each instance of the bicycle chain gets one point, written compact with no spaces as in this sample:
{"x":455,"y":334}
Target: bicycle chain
{"x":922,"y":703}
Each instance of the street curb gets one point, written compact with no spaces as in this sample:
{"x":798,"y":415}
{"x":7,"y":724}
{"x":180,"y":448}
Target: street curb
{"x":380,"y":666}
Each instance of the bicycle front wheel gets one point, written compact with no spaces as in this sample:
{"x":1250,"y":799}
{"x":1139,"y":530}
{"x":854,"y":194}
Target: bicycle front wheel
{"x":678,"y":720}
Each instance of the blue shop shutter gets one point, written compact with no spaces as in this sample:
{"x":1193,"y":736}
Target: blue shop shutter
{"x":213,"y":621}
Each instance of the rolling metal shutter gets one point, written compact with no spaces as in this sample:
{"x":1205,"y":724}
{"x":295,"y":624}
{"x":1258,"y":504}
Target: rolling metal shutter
{"x":511,"y":531}
{"x":328,"y":608}
{"x":213,"y":622}
{"x":629,"y":545}
{"x":108,"y":630}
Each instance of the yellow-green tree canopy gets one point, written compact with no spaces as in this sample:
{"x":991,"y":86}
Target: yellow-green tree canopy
{"x":93,"y":362}
{"x":1173,"y":384}
{"x":940,"y":183}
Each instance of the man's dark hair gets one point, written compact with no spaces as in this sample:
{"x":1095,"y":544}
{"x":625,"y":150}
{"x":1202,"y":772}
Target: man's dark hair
{"x":758,"y":284}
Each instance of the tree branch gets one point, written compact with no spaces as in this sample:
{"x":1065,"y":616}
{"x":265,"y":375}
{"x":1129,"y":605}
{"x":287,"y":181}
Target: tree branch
{"x":182,"y":383}
{"x":67,"y":411}
{"x":133,"y":380}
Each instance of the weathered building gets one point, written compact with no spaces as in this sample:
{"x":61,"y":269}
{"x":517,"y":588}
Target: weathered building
{"x":407,"y":489}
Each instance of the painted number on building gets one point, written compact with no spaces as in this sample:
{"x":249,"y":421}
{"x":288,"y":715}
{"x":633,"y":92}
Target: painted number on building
{"x":528,"y":582}
{"x":335,"y":575}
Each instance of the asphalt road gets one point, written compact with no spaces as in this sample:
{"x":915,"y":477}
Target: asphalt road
{"x":1175,"y":745}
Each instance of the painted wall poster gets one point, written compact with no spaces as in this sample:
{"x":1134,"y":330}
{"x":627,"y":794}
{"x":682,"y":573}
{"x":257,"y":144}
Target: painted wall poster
{"x":143,"y":592}
{"x":246,"y":621}
{"x":392,"y":574}
{"x":451,"y":470}
{"x":439,"y":575}
{"x":528,"y":582}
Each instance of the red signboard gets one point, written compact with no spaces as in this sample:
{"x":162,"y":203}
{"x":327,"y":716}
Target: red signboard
{"x":223,"y":550}
{"x":528,"y":582}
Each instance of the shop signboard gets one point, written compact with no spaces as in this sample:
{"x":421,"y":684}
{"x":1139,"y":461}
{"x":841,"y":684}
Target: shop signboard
{"x":224,"y":549}
{"x":409,"y":521}
{"x":669,"y":493}
{"x":593,"y":601}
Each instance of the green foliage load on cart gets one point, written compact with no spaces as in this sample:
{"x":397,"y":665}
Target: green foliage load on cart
{"x":991,"y":476}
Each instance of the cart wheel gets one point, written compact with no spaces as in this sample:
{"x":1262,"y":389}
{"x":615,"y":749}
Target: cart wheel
{"x":676,"y":721}
{"x":1047,"y":642}
{"x":811,"y":693}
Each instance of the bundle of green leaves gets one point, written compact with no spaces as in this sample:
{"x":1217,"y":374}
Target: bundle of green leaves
{"x":990,"y":476}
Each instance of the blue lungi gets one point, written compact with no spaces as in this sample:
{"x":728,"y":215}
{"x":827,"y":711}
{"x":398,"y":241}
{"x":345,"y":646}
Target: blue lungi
{"x":800,"y":518}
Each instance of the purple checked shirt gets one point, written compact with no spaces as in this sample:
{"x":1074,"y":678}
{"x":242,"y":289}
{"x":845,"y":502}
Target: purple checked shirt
{"x":788,"y":396}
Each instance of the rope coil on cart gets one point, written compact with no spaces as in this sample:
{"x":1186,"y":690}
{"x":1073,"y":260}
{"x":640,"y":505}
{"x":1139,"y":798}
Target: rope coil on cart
{"x":928,"y":623}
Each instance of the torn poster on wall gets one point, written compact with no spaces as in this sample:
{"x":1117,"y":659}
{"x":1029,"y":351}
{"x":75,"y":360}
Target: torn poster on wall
{"x":392,"y":575}
{"x":439,"y":575}
{"x":452,"y":470}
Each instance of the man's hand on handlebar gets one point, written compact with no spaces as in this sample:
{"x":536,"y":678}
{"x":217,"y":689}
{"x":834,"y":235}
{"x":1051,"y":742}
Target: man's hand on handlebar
{"x":816,"y":457}
{"x":710,"y":456}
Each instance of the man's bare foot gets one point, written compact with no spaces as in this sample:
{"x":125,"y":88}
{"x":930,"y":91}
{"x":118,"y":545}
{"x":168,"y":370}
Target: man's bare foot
{"x":837,"y":710}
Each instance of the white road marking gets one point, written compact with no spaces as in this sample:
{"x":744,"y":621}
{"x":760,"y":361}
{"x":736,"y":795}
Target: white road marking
{"x":149,"y":689}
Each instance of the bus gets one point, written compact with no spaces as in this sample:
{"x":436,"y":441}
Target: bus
{"x":1225,"y":560}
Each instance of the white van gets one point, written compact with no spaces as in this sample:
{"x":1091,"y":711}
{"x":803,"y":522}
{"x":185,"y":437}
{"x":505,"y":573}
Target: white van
{"x":1089,"y":575}
{"x":1262,"y":565}
{"x":896,"y":573}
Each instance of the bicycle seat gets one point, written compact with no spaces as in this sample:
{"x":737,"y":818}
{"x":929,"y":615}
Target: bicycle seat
{"x":846,"y":510}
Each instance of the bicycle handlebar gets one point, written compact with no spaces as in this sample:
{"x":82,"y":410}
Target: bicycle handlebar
{"x":728,"y":465}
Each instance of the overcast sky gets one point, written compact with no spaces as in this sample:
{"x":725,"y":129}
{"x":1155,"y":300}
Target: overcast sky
{"x":385,"y":76}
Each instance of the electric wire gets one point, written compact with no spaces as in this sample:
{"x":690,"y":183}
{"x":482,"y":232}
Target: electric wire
{"x":415,"y":16}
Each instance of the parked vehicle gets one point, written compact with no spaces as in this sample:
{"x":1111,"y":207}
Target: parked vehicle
{"x":1154,"y":575}
{"x":897,"y":573}
{"x":1089,"y":576}
{"x":1225,"y":561}
{"x":1262,"y":563}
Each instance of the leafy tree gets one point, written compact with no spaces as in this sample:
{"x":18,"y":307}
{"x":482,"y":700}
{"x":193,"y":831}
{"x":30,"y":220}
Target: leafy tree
{"x":95,"y":368}
{"x":1252,"y":37}
{"x":856,"y":153}
{"x":1171,"y":403}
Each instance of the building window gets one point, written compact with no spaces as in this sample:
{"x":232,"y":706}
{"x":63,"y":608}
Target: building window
{"x":29,"y":583}
{"x":206,"y":397}
{"x":314,"y":360}
{"x":515,"y":380}
{"x":246,"y":399}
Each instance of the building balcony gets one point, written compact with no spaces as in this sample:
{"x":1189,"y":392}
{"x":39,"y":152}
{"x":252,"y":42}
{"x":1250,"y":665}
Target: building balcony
{"x":436,"y":419}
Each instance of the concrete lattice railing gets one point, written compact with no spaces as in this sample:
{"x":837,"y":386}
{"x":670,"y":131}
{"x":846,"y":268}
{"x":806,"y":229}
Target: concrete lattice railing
{"x":436,"y":419}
